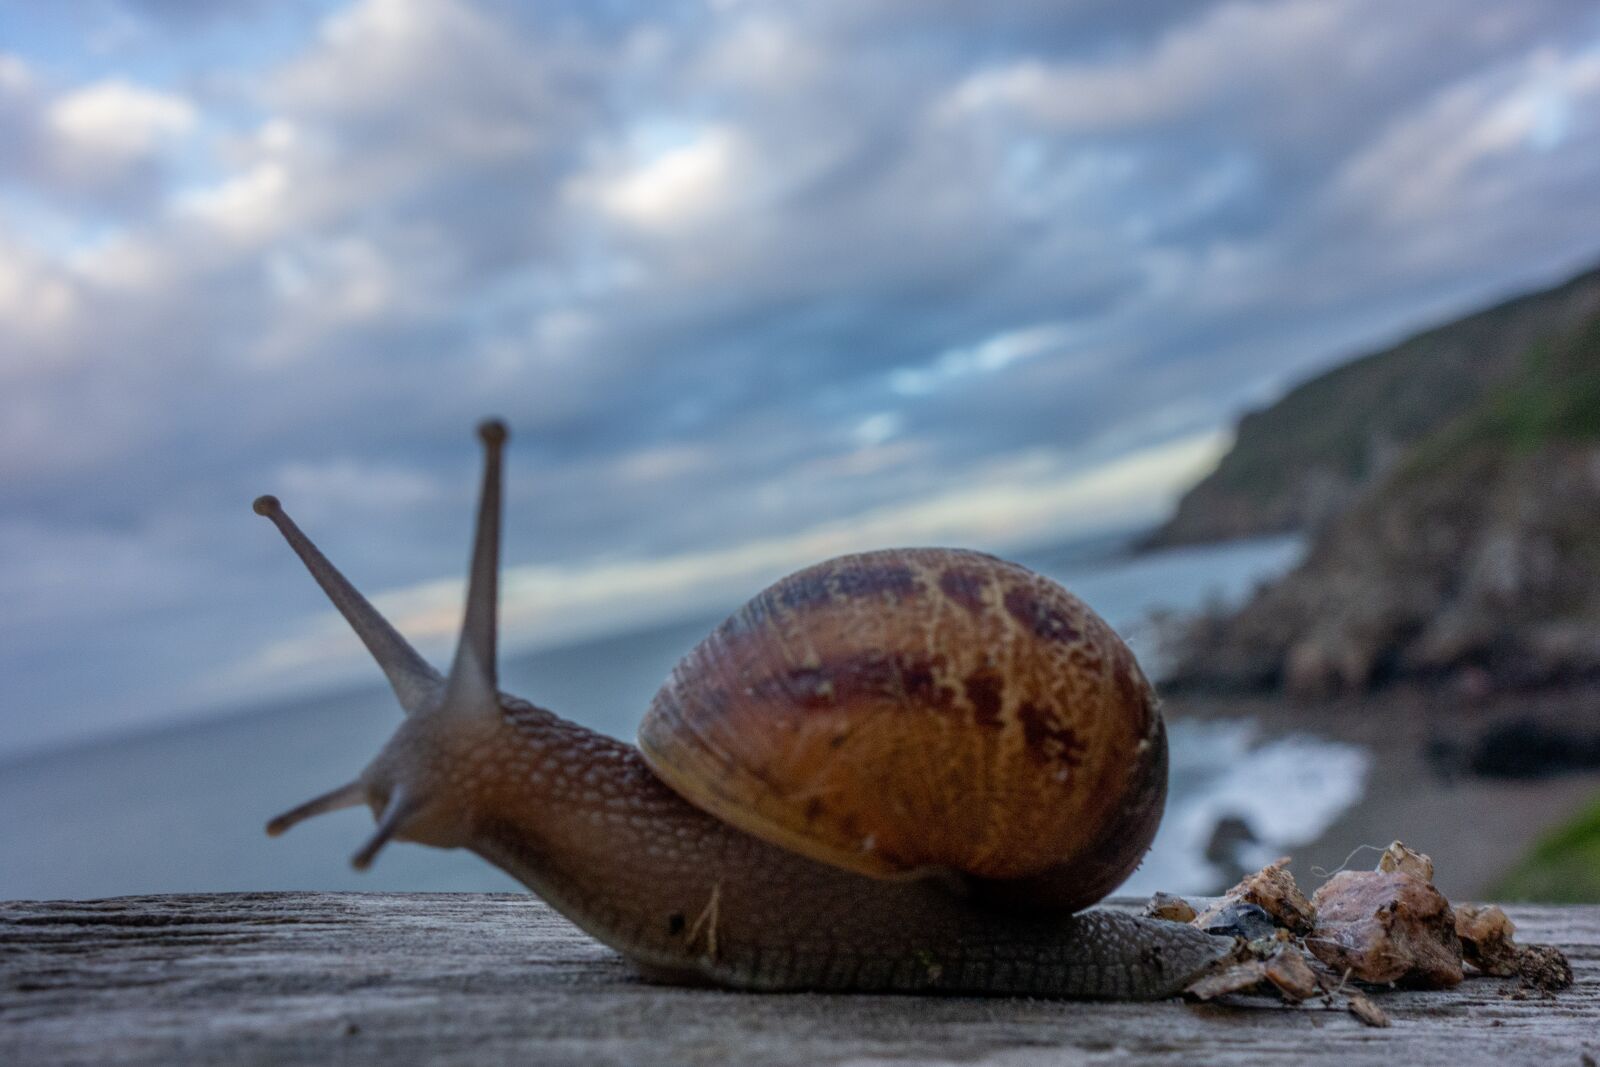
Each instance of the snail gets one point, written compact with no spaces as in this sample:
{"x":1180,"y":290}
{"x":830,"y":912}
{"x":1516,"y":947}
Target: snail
{"x":897,"y":771}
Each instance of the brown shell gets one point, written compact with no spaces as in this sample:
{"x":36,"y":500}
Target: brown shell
{"x":912,"y":710}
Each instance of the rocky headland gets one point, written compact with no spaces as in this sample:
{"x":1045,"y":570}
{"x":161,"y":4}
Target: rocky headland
{"x":1450,"y":488}
{"x":1446,"y":614}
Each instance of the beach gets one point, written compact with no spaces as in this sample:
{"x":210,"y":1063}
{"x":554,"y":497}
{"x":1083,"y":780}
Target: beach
{"x":1476,"y":828}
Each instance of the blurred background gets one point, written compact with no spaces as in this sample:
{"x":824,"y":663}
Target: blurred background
{"x":1264,"y":326}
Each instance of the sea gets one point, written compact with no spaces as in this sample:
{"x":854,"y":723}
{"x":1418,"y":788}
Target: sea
{"x":181,"y":808}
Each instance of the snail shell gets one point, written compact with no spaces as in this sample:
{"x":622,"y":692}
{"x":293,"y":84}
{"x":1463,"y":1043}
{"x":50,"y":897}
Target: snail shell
{"x":903,"y":712}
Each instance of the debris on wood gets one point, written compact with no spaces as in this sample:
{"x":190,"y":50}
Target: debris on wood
{"x":1289,"y":971}
{"x":1386,"y":927}
{"x":1237,"y":919}
{"x":1364,"y":1009}
{"x":1486,"y":939}
{"x":1544,"y":968}
{"x":1397,"y":857}
{"x":1273,"y":890}
{"x":1266,"y":966}
{"x":1171,"y":907}
{"x":1487,"y":943}
{"x":1246,"y":974}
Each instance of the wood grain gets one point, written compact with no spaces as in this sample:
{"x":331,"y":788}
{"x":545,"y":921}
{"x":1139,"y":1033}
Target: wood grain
{"x":317,"y":978}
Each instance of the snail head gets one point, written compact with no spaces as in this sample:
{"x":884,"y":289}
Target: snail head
{"x":415,"y":785}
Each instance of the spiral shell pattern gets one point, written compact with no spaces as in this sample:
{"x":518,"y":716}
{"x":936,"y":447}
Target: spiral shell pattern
{"x":904,"y":712}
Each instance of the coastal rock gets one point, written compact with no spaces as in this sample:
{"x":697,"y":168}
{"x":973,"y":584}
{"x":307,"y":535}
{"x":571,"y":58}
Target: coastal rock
{"x":1230,"y":839}
{"x":1528,"y":748}
{"x":1384,"y":595}
{"x":1467,"y":561}
{"x":1386,"y":927}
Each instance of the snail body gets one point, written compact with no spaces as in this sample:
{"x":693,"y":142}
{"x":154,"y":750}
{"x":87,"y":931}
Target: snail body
{"x":904,"y":770}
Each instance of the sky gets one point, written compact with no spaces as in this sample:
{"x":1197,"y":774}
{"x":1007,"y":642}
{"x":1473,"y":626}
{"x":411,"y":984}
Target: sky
{"x":752,"y":283}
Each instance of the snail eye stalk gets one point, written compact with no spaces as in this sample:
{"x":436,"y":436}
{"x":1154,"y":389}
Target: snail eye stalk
{"x":416,"y":684}
{"x":473,"y":684}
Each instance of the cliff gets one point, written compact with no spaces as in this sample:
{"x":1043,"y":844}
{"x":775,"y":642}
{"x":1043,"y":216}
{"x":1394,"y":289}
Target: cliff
{"x":1472,"y":555}
{"x":1301,"y":462}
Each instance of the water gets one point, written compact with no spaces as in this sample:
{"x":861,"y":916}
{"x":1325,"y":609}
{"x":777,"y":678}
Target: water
{"x":1288,"y":790}
{"x":181,"y":809}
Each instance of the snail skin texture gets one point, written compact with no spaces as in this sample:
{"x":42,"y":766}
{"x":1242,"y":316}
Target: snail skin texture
{"x":900,"y":771}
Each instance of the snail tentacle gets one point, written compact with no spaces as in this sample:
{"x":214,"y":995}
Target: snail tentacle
{"x":471,"y":684}
{"x":414,"y":681}
{"x":395,"y":813}
{"x":346,"y":796}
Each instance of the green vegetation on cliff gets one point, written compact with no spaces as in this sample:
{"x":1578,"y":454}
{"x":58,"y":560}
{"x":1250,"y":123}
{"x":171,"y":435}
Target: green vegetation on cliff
{"x":1553,"y":395}
{"x":1474,"y":556}
{"x":1300,"y":462}
{"x":1563,"y":868}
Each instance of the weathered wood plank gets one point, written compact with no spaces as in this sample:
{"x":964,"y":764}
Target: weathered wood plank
{"x":289,"y":978}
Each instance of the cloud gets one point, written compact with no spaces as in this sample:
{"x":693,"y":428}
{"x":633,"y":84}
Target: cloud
{"x":678,"y":188}
{"x":37,"y":305}
{"x":1467,"y":149}
{"x":991,"y":356}
{"x":106,"y":145}
{"x":1222,"y":53}
{"x":750,"y":282}
{"x":323,"y":488}
{"x":248,"y":206}
{"x":115,"y":121}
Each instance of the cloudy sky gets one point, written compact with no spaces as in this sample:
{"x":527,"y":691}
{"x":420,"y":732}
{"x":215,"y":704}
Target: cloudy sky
{"x":753,"y":283}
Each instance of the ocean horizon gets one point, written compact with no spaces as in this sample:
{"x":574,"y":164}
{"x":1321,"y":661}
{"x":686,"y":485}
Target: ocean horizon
{"x":180,"y":807}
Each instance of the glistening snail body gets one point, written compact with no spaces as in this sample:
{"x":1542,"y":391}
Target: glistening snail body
{"x":896,"y":771}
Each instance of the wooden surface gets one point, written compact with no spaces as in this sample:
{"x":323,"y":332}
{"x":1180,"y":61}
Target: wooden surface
{"x":289,"y":978}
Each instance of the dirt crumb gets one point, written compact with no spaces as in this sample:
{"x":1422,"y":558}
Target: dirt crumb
{"x":1171,"y":907}
{"x":1486,"y":939}
{"x":1273,"y":890}
{"x":1290,"y":972}
{"x":1240,"y":976}
{"x":1398,"y":857}
{"x":1364,"y":1009}
{"x":1543,"y":967}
